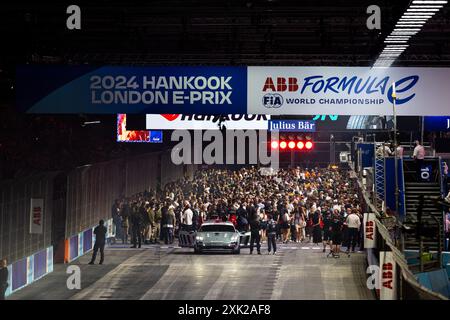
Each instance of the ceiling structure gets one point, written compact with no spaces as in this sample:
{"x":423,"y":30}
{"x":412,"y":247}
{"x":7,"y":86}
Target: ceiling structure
{"x":242,"y":32}
{"x":205,"y":32}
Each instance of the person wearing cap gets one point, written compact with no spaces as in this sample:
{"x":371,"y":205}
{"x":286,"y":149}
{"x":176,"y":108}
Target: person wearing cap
{"x":100,"y":240}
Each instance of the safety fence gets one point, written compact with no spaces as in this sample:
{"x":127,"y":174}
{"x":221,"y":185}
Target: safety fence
{"x":29,"y":269}
{"x":56,"y":212}
{"x":26,"y":207}
{"x":83,"y":242}
{"x":392,"y":277}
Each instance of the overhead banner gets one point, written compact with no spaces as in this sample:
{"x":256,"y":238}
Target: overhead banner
{"x":369,"y":231}
{"x":206,"y":122}
{"x":86,"y":89}
{"x":347,"y":90}
{"x":437,"y":123}
{"x":233,"y":90}
{"x":36,"y":215}
{"x":388,"y":276}
{"x":292,"y":125}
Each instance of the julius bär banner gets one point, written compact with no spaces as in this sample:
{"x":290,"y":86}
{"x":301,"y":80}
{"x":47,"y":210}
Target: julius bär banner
{"x":233,"y":90}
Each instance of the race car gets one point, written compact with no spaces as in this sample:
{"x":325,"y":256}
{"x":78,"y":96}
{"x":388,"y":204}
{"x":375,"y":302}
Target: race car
{"x":217,"y":236}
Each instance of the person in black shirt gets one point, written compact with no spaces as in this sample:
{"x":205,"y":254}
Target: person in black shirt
{"x":271,"y":229}
{"x":3,"y":278}
{"x":136,"y":228}
{"x":327,"y":234}
{"x":336,"y":233}
{"x":100,"y":240}
{"x":255,"y":226}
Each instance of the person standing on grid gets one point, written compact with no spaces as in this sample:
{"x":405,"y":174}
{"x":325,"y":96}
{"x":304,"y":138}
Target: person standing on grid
{"x":3,"y":278}
{"x":100,"y":240}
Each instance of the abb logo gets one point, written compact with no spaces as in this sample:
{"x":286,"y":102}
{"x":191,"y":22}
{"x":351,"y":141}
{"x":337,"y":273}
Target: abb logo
{"x":281,"y":84}
{"x":387,"y":275}
{"x":369,"y":229}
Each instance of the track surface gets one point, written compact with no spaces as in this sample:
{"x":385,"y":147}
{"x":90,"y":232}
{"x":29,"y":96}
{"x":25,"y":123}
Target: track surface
{"x":298,"y":271}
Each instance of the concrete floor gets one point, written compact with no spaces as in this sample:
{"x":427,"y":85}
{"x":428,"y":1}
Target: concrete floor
{"x":298,"y":271}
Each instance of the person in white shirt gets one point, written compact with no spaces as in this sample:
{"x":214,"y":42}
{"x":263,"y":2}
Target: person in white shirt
{"x":353,"y":222}
{"x":384,"y":151}
{"x":419,"y":156}
{"x":186,"y":217}
{"x":399,"y":151}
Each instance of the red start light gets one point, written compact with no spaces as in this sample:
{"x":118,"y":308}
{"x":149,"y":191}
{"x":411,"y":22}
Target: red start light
{"x":291,"y":145}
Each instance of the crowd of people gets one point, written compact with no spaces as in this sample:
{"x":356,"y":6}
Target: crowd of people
{"x":317,"y":205}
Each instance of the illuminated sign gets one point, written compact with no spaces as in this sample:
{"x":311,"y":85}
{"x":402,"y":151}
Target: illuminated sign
{"x":292,"y":125}
{"x":437,"y":123}
{"x":207,"y":122}
{"x":232,"y":90}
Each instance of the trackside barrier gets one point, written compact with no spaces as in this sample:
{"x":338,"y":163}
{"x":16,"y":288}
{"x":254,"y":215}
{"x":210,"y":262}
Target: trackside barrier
{"x":396,"y":281}
{"x":186,"y":239}
{"x":29,"y":269}
{"x":83,"y":242}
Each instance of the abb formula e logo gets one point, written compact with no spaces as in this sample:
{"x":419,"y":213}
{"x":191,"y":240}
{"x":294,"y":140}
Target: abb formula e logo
{"x":334,"y":88}
{"x":281,"y":84}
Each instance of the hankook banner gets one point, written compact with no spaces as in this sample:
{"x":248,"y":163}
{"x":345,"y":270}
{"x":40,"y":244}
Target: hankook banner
{"x":206,"y":122}
{"x":233,"y":90}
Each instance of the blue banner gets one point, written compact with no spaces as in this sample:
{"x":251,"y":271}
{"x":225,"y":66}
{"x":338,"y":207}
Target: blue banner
{"x":367,"y":154}
{"x":437,"y":123}
{"x":390,"y":185}
{"x":156,"y":136}
{"x":87,"y":89}
{"x":292,"y":125}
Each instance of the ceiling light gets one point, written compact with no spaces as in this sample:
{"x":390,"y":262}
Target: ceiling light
{"x":422,"y":10}
{"x":395,"y":41}
{"x":406,"y":29}
{"x":423,"y":7}
{"x":429,"y":2}
{"x":419,"y":23}
{"x":398,"y":37}
{"x":413,"y":19}
{"x":403,"y":33}
{"x":409,"y":25}
{"x":418,"y":14}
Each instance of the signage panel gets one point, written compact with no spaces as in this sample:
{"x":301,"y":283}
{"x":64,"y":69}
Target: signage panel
{"x":347,"y":90}
{"x":206,"y":122}
{"x":206,"y":90}
{"x":292,"y":125}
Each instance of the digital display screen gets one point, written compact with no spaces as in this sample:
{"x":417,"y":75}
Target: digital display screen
{"x":143,"y":136}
